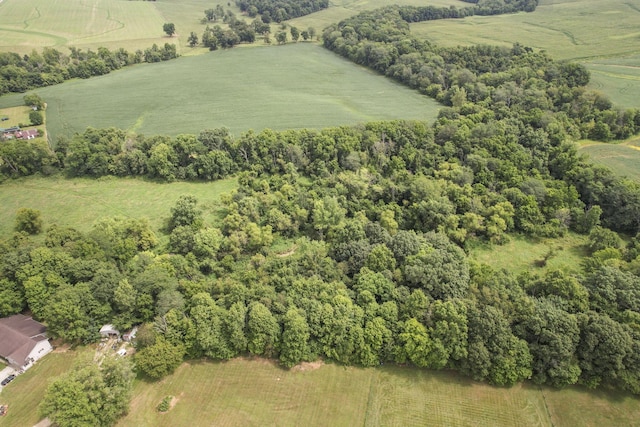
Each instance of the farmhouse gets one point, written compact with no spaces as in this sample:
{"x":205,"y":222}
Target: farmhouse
{"x":22,"y":341}
{"x":17,"y":133}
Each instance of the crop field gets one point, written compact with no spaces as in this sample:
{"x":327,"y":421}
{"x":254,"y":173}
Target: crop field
{"x":251,"y":393}
{"x":33,"y":24}
{"x":78,"y":203}
{"x":521,"y":254}
{"x":604,"y":35}
{"x":342,"y":9}
{"x":286,"y":87}
{"x":623,"y":158}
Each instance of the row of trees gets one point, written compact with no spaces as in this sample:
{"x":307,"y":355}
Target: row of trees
{"x":280,"y":10}
{"x":512,"y":83}
{"x":22,"y":73}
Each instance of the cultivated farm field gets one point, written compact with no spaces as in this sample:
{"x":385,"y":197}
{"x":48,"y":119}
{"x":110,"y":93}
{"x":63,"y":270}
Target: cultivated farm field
{"x":78,"y":203}
{"x":623,"y":158}
{"x":603,"y":35}
{"x":33,"y":24}
{"x":285,"y":87}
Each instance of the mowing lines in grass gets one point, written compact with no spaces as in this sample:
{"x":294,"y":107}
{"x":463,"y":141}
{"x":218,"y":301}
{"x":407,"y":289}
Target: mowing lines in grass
{"x":623,"y":159}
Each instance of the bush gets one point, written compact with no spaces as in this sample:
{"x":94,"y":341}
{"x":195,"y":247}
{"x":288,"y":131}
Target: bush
{"x":29,"y":221}
{"x":165,"y":405}
{"x":36,"y":118}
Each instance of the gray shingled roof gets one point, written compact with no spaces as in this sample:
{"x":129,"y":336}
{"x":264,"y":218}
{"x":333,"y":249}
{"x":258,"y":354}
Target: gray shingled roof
{"x":18,"y":335}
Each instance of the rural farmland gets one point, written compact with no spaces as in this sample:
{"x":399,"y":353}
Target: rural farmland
{"x":282,"y":87}
{"x":321,"y":213}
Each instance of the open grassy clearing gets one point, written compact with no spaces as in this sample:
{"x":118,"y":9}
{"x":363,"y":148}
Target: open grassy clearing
{"x":521,"y":253}
{"x":24,"y":393}
{"x":78,"y":203}
{"x":286,"y":87}
{"x":623,"y":158}
{"x":604,"y":35}
{"x":245,"y":393}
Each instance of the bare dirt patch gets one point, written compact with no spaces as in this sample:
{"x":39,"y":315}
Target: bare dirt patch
{"x":308,"y":366}
{"x":289,"y":252}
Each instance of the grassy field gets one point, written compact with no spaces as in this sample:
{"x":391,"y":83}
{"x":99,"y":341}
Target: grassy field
{"x":29,"y":24}
{"x":603,"y":35}
{"x":622,"y":158}
{"x":79,"y":203}
{"x":257,"y":393}
{"x":24,"y":393}
{"x":342,"y":9}
{"x":244,"y":392}
{"x":292,"y":86}
{"x":521,"y":253}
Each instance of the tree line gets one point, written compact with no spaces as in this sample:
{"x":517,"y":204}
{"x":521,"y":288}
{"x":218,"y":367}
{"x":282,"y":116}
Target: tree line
{"x":22,"y":73}
{"x":280,"y":10}
{"x":514,"y":83}
{"x":378,"y":219}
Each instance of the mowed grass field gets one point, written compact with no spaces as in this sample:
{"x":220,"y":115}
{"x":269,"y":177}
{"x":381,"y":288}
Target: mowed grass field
{"x":622,"y":158}
{"x":603,"y":35}
{"x":24,"y":393}
{"x":282,"y":87}
{"x":78,"y":203}
{"x":259,"y":393}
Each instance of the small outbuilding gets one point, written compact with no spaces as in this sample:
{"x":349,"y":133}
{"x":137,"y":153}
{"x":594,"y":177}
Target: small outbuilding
{"x":130,"y":335}
{"x":23,"y":341}
{"x":108,"y":331}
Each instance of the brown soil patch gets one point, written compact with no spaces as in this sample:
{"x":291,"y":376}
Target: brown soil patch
{"x":62,"y":348}
{"x":173,"y":402}
{"x":308,"y":366}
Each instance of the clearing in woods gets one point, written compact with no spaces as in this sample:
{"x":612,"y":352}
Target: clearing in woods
{"x":79,"y":202}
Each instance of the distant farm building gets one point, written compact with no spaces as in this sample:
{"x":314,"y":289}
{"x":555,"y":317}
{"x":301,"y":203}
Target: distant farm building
{"x":17,"y":133}
{"x":23,"y":341}
{"x":129,"y":336}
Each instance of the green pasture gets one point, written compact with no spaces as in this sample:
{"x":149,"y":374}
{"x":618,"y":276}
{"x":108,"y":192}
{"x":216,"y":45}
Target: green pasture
{"x":623,"y":158}
{"x":619,"y":78}
{"x":342,"y":9}
{"x":255,"y":393}
{"x":24,"y":393}
{"x":33,"y":24}
{"x":521,"y":253}
{"x":603,"y":35}
{"x":282,"y":87}
{"x":78,"y":203}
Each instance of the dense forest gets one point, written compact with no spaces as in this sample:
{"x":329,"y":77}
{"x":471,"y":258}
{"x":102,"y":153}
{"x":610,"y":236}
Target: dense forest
{"x":351,"y":243}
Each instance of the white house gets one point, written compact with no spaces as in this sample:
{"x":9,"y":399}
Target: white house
{"x":108,"y":331}
{"x":23,"y":341}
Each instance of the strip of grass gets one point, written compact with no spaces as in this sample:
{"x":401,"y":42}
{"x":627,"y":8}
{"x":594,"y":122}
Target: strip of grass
{"x":242,"y":392}
{"x":24,"y":393}
{"x":78,"y":203}
{"x":623,"y":159}
{"x":522,"y":253}
{"x":286,"y":87}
